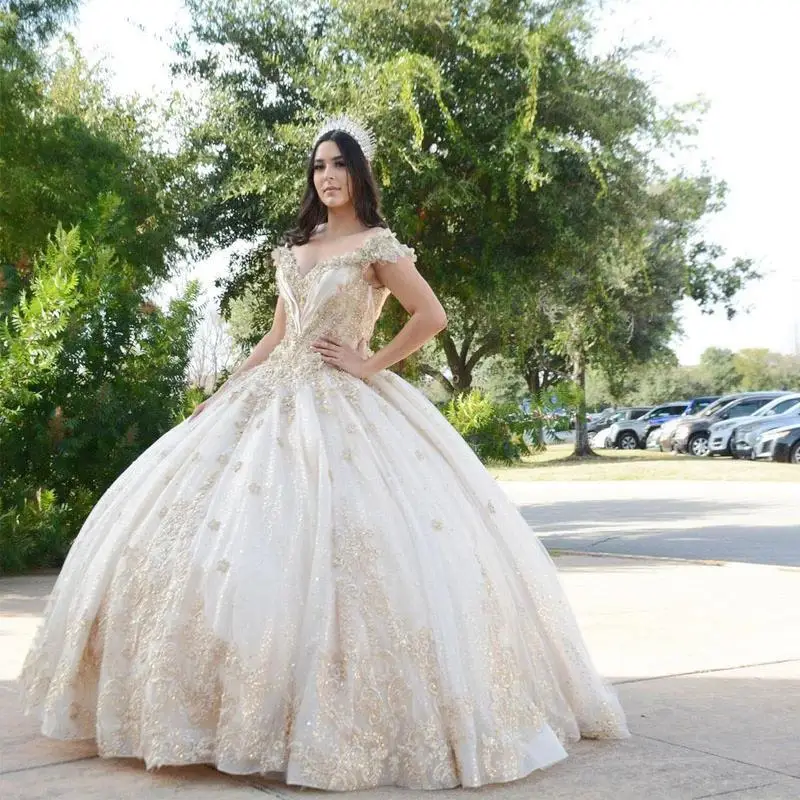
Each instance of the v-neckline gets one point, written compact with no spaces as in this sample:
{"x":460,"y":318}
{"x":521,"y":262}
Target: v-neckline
{"x":303,"y":275}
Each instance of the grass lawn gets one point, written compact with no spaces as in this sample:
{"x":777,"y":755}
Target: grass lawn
{"x":557,"y":464}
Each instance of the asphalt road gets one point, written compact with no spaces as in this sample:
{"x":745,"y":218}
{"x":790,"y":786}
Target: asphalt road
{"x":727,"y":521}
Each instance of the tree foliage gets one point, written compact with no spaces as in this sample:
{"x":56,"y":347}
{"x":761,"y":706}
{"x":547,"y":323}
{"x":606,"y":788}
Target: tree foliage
{"x":719,"y":371}
{"x":91,"y":370}
{"x":520,"y":166}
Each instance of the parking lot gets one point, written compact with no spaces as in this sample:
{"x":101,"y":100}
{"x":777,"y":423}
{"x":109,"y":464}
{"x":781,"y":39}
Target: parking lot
{"x":729,"y":521}
{"x":763,"y":426}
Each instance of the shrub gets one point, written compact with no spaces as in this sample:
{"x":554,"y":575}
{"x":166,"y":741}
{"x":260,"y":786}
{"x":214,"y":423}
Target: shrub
{"x":495,"y":431}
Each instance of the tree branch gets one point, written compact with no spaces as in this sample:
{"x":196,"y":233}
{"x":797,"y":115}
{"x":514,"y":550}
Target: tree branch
{"x":491,"y":345}
{"x":435,"y":373}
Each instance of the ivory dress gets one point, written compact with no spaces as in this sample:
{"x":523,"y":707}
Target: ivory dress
{"x":317,"y":577}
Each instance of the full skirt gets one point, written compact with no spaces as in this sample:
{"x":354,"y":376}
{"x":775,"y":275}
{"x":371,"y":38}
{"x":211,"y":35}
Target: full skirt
{"x":322,"y":582}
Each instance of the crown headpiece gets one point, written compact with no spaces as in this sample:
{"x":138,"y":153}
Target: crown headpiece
{"x":362,"y":134}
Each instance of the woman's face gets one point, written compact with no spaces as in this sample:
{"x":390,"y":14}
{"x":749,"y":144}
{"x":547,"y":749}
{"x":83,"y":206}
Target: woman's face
{"x":331,"y":179}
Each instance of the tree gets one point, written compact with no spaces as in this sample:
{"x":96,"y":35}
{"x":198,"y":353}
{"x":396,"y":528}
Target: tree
{"x":717,"y":370}
{"x":461,"y":176}
{"x":520,"y":167}
{"x":91,"y":373}
{"x":92,"y":370}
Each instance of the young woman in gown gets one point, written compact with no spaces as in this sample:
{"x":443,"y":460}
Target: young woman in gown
{"x":314,"y":575}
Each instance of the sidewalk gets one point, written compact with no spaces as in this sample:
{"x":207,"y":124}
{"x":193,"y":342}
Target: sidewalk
{"x":706,"y":659}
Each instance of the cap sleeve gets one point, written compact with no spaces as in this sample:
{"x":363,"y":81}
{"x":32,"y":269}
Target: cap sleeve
{"x":384,"y":246}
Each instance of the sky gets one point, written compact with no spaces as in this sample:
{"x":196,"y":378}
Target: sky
{"x":737,"y":56}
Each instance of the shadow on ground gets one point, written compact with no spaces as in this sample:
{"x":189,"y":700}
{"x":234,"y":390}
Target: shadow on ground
{"x":730,"y":531}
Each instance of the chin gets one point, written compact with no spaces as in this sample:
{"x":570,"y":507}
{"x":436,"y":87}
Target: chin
{"x":335,"y":202}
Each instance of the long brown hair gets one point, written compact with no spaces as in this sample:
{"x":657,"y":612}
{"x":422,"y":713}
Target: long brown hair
{"x":366,"y":197}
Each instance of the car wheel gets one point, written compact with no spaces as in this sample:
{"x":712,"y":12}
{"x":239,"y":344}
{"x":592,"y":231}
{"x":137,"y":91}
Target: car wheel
{"x":627,"y":441}
{"x":698,"y":445}
{"x":794,"y":454}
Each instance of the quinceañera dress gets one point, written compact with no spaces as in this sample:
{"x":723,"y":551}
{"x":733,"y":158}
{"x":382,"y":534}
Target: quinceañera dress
{"x":317,"y":577}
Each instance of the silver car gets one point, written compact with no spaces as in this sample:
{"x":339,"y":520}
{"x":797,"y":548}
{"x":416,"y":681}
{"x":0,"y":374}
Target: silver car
{"x":764,"y":444}
{"x":744,"y":436}
{"x":720,"y":439}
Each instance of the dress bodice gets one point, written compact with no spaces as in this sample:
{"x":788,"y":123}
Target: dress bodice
{"x":333,"y":298}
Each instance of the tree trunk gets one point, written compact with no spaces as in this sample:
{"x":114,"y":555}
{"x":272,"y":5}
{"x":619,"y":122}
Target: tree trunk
{"x":532,"y":378}
{"x":582,"y":448}
{"x":457,"y":361}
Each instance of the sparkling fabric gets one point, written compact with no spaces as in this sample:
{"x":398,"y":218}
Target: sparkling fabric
{"x":316,"y":576}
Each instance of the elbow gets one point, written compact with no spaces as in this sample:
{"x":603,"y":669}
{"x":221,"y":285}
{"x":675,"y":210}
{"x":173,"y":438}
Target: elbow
{"x":439,"y":320}
{"x":431,"y":318}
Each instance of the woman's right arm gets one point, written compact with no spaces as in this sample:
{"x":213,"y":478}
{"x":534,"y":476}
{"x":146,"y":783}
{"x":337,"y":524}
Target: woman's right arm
{"x":259,"y":353}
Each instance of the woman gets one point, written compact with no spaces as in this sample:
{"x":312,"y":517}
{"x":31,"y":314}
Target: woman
{"x":314,"y":575}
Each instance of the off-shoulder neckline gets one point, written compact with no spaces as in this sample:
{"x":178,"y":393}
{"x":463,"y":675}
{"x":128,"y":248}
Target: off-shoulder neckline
{"x":347,"y":254}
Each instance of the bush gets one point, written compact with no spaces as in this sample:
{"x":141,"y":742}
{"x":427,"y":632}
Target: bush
{"x":37,"y":532}
{"x":552,"y":411}
{"x":91,"y":373}
{"x":495,"y":431}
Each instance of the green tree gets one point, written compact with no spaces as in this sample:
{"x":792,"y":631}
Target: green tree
{"x":520,"y":167}
{"x":759,"y":369}
{"x":482,"y":189}
{"x":91,"y":374}
{"x":90,"y":221}
{"x":717,"y":370}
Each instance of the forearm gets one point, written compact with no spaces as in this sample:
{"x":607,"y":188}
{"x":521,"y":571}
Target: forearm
{"x":420,"y":328}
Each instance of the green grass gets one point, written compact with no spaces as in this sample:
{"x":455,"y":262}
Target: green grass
{"x":558,"y":464}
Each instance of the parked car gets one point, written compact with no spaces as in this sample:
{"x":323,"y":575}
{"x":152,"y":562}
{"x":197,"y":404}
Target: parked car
{"x":721,"y":432}
{"x":632,"y":433}
{"x":692,"y":435}
{"x":653,"y":439}
{"x":779,"y":444}
{"x":787,"y":445}
{"x":594,"y":422}
{"x":608,"y":416}
{"x":695,"y":406}
{"x":745,"y":433}
{"x":601,"y":438}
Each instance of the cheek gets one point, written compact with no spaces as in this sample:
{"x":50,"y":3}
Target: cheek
{"x":344,"y":181}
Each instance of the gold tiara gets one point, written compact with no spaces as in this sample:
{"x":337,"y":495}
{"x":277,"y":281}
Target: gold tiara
{"x":362,"y":134}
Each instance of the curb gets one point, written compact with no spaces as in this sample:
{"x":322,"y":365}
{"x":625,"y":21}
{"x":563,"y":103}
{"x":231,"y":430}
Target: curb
{"x":556,"y":552}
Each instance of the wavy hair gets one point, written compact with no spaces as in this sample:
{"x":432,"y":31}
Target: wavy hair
{"x":365,"y":194}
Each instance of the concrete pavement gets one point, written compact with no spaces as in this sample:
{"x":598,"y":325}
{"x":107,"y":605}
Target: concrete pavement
{"x":732,"y":521}
{"x":706,"y":659}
